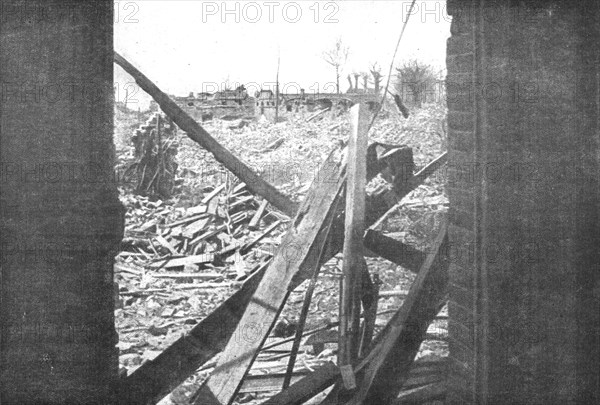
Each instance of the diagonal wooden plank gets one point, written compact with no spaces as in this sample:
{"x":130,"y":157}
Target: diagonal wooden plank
{"x":306,"y":304}
{"x":300,"y":247}
{"x":258,"y":215}
{"x":394,"y":250}
{"x":427,"y":393}
{"x":384,"y":376}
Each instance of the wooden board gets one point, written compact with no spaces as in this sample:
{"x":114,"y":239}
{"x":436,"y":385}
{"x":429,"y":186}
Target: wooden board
{"x":302,"y":243}
{"x":426,"y":393}
{"x":353,"y":238}
{"x":258,"y":215}
{"x":394,"y":251}
{"x":385,"y":375}
{"x":182,"y":261}
{"x":193,"y":229}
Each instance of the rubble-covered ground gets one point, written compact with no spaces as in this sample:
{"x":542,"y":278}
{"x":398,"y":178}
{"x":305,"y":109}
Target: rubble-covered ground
{"x":158,"y":302}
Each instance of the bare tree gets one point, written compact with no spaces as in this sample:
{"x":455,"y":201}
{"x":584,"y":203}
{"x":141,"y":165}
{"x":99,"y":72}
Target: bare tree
{"x":356,"y":76}
{"x":415,"y":77}
{"x":377,"y":76}
{"x":337,"y":57}
{"x":365,"y":77}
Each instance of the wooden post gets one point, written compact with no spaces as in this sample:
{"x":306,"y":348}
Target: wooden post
{"x":353,"y":246}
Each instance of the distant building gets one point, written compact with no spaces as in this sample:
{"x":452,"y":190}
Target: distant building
{"x":265,"y":104}
{"x":205,"y":105}
{"x":231,"y":97}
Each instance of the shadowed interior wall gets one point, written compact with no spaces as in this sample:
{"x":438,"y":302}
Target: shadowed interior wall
{"x":60,"y":219}
{"x":522,"y":91}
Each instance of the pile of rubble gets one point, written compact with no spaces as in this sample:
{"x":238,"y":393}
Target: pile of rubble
{"x":155,"y":149}
{"x":172,"y":258}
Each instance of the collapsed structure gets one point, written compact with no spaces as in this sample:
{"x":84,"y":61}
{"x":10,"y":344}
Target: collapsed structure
{"x":228,"y":103}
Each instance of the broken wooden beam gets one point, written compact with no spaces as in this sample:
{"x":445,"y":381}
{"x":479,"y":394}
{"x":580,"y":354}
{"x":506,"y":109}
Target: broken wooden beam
{"x":183,"y":261}
{"x":352,"y":266}
{"x":268,"y":382}
{"x":258,"y":215}
{"x":307,"y":387}
{"x":188,"y":275}
{"x":423,"y":373}
{"x":428,"y":170}
{"x":317,"y":114}
{"x":419,"y":395}
{"x":165,"y":243}
{"x":306,"y":306}
{"x":299,"y":253}
{"x":385,"y":375}
{"x":195,"y":228}
{"x":394,"y":162}
{"x":207,"y":198}
{"x":370,"y":301}
{"x":394,"y":250}
{"x":253,"y":181}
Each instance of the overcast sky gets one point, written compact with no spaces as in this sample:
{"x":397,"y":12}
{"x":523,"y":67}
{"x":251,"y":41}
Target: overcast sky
{"x":196,"y":45}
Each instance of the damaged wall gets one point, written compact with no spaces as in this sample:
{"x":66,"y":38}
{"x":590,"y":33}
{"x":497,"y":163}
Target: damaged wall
{"x":522,"y":93}
{"x":61,"y":221}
